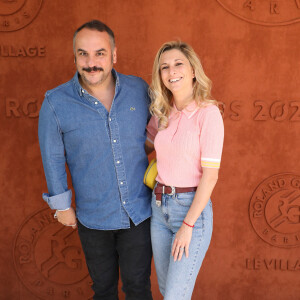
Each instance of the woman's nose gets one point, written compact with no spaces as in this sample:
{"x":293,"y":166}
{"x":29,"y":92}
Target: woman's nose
{"x":172,"y":70}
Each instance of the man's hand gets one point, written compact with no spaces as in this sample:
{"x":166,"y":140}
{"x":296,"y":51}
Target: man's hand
{"x":67,"y":217}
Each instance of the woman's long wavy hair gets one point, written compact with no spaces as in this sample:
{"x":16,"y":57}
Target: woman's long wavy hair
{"x":161,"y":97}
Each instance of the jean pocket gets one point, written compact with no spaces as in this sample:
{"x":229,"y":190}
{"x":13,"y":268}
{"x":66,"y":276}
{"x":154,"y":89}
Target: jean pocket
{"x":185,"y":199}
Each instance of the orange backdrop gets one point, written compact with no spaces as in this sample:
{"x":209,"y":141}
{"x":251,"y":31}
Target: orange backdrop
{"x":250,"y":50}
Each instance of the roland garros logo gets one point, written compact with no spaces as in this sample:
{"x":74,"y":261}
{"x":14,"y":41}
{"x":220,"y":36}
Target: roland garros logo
{"x":16,"y":14}
{"x":49,"y":260}
{"x":264,"y":12}
{"x":275,"y":210}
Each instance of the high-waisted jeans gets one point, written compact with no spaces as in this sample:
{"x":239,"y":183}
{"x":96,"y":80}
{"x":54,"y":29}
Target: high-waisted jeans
{"x":177,"y":279}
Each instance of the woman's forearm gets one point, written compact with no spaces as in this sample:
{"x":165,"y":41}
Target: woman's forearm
{"x":203,"y":193}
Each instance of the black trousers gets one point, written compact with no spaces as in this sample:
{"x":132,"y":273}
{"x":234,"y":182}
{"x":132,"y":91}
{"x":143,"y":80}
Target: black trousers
{"x":107,"y":250}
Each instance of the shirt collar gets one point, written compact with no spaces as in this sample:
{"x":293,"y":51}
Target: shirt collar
{"x":81,"y":90}
{"x":189,"y":110}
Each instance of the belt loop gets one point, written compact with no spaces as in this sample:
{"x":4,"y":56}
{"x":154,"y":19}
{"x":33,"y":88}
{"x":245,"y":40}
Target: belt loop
{"x":163,"y":189}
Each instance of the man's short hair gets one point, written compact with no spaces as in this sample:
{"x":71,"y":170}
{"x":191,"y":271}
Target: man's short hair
{"x":99,"y":26}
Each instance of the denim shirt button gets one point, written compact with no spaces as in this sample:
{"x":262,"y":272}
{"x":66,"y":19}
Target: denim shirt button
{"x":96,"y":102}
{"x":109,"y":119}
{"x":118,"y":161}
{"x":115,"y":141}
{"x":121,"y":182}
{"x":124,"y":202}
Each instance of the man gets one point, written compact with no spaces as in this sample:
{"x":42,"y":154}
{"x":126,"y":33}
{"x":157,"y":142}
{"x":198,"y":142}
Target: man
{"x":96,"y":124}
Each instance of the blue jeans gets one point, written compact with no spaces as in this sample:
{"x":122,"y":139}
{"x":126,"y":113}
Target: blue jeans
{"x":108,"y":250}
{"x":177,"y":279}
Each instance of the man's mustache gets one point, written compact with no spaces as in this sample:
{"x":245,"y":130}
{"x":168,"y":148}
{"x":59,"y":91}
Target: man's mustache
{"x":92,"y":69}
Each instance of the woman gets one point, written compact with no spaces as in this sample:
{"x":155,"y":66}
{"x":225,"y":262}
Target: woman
{"x":187,"y":132}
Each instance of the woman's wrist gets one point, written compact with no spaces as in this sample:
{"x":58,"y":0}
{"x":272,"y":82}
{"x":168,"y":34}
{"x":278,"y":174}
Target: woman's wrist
{"x":187,"y":224}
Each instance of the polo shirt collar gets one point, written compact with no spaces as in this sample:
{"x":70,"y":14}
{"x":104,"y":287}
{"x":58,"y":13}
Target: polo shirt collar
{"x":189,"y":110}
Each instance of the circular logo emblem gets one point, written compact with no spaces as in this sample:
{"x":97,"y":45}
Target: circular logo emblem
{"x":275,"y":210}
{"x":16,"y":14}
{"x":264,"y":12}
{"x":49,"y":260}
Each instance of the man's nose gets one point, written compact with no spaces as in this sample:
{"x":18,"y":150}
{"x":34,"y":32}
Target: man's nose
{"x":91,"y":61}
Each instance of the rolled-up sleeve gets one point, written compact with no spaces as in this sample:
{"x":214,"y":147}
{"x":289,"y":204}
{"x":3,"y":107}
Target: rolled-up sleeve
{"x":60,"y":202}
{"x":53,"y":156}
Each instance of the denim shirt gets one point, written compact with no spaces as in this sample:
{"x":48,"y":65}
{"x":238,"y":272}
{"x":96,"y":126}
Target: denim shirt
{"x":104,"y":151}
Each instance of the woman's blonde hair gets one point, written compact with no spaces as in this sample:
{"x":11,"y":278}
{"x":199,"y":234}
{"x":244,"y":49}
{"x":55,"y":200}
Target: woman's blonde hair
{"x":162,"y":98}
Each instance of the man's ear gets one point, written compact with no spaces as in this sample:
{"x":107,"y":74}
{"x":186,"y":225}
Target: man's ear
{"x":115,"y":55}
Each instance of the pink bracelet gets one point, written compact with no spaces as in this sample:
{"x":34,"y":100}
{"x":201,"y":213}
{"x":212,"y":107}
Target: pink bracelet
{"x":192,"y":226}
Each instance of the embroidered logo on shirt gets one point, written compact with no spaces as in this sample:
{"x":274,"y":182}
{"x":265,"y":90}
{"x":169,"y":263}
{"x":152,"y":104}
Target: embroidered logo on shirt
{"x":132,"y":108}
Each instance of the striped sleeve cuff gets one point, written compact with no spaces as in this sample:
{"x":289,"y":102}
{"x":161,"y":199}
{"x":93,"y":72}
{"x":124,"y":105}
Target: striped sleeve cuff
{"x":210,"y":162}
{"x":150,"y":140}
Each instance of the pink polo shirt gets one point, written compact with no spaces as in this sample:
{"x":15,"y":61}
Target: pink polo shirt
{"x":192,"y":140}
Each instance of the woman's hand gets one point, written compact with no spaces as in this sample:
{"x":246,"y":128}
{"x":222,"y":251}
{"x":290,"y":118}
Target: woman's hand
{"x":182,"y":242}
{"x":184,"y":234}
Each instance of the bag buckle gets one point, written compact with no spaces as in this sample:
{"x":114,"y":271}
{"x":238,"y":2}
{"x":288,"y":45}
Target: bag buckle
{"x":158,"y":203}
